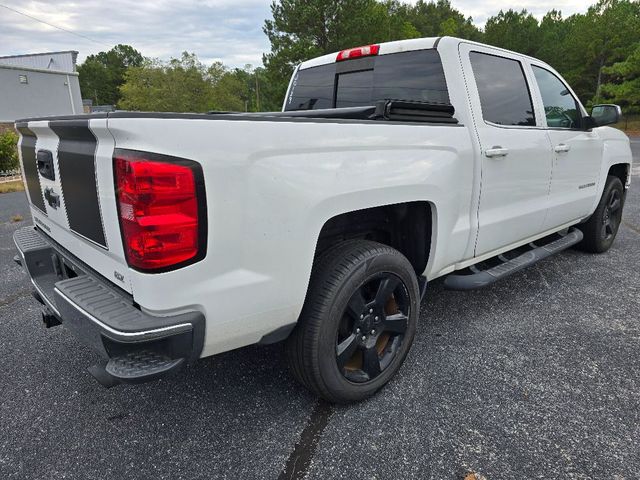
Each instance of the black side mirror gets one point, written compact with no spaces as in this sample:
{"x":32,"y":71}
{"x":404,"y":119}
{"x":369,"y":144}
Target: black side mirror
{"x":606,"y":114}
{"x":588,"y":123}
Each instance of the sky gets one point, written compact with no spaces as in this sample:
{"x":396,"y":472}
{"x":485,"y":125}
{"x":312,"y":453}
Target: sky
{"x":225,"y":30}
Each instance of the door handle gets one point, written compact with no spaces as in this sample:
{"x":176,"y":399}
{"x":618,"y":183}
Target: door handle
{"x":496,"y":151}
{"x":562,"y":148}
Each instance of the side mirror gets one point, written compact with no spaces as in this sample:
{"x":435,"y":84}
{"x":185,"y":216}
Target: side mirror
{"x":606,"y":114}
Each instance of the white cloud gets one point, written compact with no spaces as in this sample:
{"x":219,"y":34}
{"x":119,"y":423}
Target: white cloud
{"x":226,"y":30}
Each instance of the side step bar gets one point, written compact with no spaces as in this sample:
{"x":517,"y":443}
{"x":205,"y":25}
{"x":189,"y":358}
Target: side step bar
{"x":474,"y":277}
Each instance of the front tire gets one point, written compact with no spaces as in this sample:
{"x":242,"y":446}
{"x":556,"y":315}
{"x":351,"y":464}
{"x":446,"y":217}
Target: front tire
{"x":358,"y":321}
{"x":601,"y":228}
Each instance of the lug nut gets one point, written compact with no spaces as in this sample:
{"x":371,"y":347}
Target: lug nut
{"x":357,"y":330}
{"x":371,"y":310}
{"x":377,"y":318}
{"x":361,"y":317}
{"x":364,"y":337}
{"x":373,"y":332}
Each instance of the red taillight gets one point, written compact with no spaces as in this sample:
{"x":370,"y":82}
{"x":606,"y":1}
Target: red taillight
{"x":357,"y":52}
{"x":159,"y":210}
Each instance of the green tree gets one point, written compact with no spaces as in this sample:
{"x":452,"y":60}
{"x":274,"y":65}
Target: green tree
{"x":623,"y":83}
{"x":233,"y":90}
{"x":517,"y":31}
{"x":102,"y":74}
{"x":187,"y":85}
{"x":438,"y":18}
{"x":179,"y":85}
{"x":553,"y":34}
{"x":607,"y":33}
{"x":8,"y":150}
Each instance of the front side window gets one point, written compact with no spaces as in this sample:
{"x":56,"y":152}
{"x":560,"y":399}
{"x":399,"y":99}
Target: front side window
{"x":560,"y":108}
{"x":504,"y":93}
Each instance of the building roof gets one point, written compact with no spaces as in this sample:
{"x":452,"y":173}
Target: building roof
{"x":53,"y":61}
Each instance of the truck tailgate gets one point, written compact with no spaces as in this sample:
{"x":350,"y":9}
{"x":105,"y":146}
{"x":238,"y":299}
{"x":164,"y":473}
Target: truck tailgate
{"x":68,"y":171}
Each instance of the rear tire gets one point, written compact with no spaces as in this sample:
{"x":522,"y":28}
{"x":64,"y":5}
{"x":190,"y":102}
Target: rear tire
{"x":601,"y":228}
{"x":358,"y":321}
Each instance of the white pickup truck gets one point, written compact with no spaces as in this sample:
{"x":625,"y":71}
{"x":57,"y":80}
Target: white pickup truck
{"x":163,"y":238}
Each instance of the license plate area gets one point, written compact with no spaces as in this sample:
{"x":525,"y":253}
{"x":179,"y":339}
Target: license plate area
{"x":64,"y":268}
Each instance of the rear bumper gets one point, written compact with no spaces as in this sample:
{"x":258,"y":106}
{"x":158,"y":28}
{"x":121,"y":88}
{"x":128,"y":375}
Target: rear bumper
{"x":136,"y":345}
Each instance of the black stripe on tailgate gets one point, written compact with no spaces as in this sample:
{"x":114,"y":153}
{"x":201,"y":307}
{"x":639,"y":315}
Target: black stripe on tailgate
{"x":30,"y":165}
{"x":76,"y":162}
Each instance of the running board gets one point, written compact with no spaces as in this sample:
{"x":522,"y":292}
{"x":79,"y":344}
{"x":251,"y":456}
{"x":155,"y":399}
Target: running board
{"x":474,"y":277}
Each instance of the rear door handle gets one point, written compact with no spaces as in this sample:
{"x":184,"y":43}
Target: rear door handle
{"x":562,"y":148}
{"x":496,"y":152}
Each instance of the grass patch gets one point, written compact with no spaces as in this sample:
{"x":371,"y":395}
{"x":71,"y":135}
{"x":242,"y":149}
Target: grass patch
{"x":17,"y":218}
{"x":630,"y":124}
{"x":9,"y":187}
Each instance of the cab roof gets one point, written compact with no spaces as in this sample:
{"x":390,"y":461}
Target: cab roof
{"x":405,"y":46}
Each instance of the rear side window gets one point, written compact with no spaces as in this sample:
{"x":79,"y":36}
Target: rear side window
{"x":312,"y":89}
{"x":503,"y":89}
{"x":560,"y":108}
{"x":409,"y":76}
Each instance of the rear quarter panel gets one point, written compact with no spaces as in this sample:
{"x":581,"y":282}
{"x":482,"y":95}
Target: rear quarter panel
{"x":271,"y":186}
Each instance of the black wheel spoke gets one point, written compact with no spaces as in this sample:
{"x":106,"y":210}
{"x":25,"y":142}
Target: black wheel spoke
{"x":368,"y":339}
{"x":604,"y":230}
{"x":346,"y":349}
{"x":356,"y":305}
{"x":614,"y":223}
{"x":386,"y":288}
{"x":614,"y":206}
{"x":371,"y":362}
{"x":396,"y":323}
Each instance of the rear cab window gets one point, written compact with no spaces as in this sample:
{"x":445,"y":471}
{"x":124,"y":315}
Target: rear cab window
{"x":410,"y":76}
{"x":505,"y":97}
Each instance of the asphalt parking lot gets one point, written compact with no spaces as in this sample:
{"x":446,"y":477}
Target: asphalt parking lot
{"x":534,"y":377}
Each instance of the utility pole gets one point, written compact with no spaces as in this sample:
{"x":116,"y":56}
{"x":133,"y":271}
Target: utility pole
{"x":257,"y":93}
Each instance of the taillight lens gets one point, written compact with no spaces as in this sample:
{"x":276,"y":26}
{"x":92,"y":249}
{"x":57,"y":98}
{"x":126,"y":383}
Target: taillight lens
{"x":161,"y":209}
{"x":366,"y":51}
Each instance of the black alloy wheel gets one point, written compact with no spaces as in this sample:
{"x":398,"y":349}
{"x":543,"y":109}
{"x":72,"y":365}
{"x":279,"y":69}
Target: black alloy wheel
{"x":372,"y":328}
{"x":612,"y":215}
{"x":357,"y":323}
{"x":601,"y":228}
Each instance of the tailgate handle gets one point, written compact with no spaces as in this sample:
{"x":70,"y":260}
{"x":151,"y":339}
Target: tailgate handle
{"x":45,"y":164}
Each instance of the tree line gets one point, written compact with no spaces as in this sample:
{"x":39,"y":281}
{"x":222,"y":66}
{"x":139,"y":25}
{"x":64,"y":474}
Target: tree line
{"x":598,"y":52}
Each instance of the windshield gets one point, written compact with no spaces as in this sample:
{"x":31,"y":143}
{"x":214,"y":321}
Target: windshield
{"x":411,"y":76}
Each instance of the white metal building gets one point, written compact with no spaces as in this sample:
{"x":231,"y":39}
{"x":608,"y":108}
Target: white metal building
{"x":41,"y":84}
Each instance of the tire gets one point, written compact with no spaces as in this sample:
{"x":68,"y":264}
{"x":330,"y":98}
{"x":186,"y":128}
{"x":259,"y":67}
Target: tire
{"x":601,"y":228}
{"x":358,"y":321}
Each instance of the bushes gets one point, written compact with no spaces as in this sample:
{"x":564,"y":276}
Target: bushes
{"x":8,"y":150}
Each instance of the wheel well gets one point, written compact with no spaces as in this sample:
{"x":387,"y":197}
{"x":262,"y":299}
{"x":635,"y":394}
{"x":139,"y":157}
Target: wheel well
{"x":621,"y":170}
{"x":403,"y":226}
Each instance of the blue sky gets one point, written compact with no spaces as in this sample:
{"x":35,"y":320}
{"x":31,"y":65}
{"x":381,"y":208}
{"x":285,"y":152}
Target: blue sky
{"x":226,"y":30}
